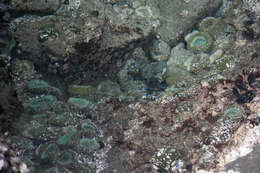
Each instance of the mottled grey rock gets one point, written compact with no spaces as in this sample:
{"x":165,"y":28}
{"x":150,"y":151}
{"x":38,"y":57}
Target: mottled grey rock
{"x":133,"y":67}
{"x":153,"y":73}
{"x":140,"y":56}
{"x":177,"y":76}
{"x":109,"y":88}
{"x":135,"y":88}
{"x":179,"y":55}
{"x":144,"y":11}
{"x":160,"y":50}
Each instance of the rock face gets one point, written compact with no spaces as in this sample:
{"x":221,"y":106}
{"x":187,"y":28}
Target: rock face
{"x":41,"y":6}
{"x":79,"y":40}
{"x":177,"y":17}
{"x":82,"y":40}
{"x":10,"y":107}
{"x":94,"y":105}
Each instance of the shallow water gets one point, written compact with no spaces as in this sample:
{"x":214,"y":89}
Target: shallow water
{"x":133,"y":86}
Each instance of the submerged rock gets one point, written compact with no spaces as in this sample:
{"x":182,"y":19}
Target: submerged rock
{"x":23,"y":68}
{"x":178,"y":76}
{"x":160,"y":50}
{"x":179,"y":65}
{"x":211,"y":25}
{"x":152,"y":73}
{"x":109,"y":88}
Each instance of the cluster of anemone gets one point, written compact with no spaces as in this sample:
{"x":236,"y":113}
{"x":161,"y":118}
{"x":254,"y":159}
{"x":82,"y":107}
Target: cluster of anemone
{"x":201,"y":40}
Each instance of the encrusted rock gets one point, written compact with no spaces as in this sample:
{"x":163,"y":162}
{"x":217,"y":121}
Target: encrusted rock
{"x":160,"y":50}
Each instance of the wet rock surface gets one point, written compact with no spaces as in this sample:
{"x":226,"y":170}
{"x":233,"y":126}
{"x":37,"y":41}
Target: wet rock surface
{"x":102,"y":91}
{"x":79,"y":41}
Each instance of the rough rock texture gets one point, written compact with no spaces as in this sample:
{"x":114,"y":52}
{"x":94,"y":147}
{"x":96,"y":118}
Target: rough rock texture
{"x":10,"y":107}
{"x":36,"y":6}
{"x":81,"y":44}
{"x":92,"y":39}
{"x":9,"y":162}
{"x":187,"y":133}
{"x":180,"y":131}
{"x":177,"y":17}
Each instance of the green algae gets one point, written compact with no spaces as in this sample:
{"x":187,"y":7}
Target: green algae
{"x":89,"y":144}
{"x":87,"y":127}
{"x":232,"y":112}
{"x":39,"y":116}
{"x":78,"y":102}
{"x":35,"y":84}
{"x":59,"y":120}
{"x":65,"y":158}
{"x":63,"y":140}
{"x":33,"y":131}
{"x":40,"y":86}
{"x":49,"y":150}
{"x":41,"y":103}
